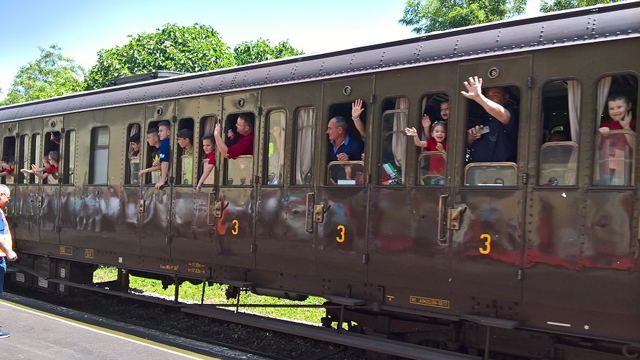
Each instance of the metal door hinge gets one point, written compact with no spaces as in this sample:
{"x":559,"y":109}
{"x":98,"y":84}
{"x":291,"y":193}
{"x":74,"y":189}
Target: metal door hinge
{"x":365,"y":258}
{"x":254,"y":248}
{"x":318,"y":213}
{"x":520,"y":274}
{"x":39,"y":201}
{"x":454,"y":217}
{"x":141,"y":206}
{"x":525,"y":178}
{"x":373,"y":98}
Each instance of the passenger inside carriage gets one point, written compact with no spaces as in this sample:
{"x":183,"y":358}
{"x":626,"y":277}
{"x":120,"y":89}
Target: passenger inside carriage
{"x":134,"y":157}
{"x":244,"y":143}
{"x":495,"y":138}
{"x":210,"y":155}
{"x":154,"y":142}
{"x":49,"y":172}
{"x":615,"y":149}
{"x":436,"y":142}
{"x":7,"y":166}
{"x":343,"y":147}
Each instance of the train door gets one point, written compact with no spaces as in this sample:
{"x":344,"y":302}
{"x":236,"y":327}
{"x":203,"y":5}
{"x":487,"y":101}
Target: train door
{"x":26,"y":197}
{"x":49,"y":220}
{"x":192,"y":235}
{"x":342,"y":198}
{"x":236,"y":202}
{"x":486,"y":219}
{"x":410,"y":186}
{"x":155,"y":213}
{"x":286,"y":232}
{"x":10,"y":142}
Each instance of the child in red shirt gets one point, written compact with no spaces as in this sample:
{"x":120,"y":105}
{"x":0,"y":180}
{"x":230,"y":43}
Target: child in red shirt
{"x":437,"y":142}
{"x":208,"y":146}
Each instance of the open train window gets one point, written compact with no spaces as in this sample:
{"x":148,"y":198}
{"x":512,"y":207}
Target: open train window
{"x":492,"y":142}
{"x":69,"y":163}
{"x":99,"y":162}
{"x":559,"y":149}
{"x":430,"y":137}
{"x":8,"y":166}
{"x":393,"y":149}
{"x":23,"y":160}
{"x":346,"y":140}
{"x":305,"y":144}
{"x":274,"y":149}
{"x":207,"y":126}
{"x":615,"y":130}
{"x":51,"y":156}
{"x":134,"y":140}
{"x":238,"y":167}
{"x":184,"y":166}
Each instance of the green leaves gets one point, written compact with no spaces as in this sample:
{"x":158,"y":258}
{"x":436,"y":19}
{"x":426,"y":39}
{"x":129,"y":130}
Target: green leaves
{"x":187,"y":49}
{"x":557,"y":5}
{"x":437,"y":15}
{"x":51,"y":75}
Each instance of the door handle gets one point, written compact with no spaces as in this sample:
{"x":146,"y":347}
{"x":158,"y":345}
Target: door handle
{"x":442,"y":237}
{"x":308,"y":221}
{"x":318,"y":213}
{"x":454,"y":218}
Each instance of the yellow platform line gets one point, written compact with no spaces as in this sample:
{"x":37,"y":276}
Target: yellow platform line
{"x":129,"y":337}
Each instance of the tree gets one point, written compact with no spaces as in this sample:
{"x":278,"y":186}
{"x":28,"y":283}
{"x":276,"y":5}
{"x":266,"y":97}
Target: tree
{"x":178,"y":48}
{"x":51,"y":75}
{"x":557,"y":5}
{"x":435,"y":15}
{"x":249,"y":52}
{"x":174,"y":48}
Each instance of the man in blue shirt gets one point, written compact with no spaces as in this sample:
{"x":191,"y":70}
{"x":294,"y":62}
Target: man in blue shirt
{"x":342,"y":147}
{"x":164,"y":132}
{"x":6,"y":250}
{"x":496,"y":140}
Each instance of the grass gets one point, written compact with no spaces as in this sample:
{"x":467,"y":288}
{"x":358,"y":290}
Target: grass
{"x":216,"y":295}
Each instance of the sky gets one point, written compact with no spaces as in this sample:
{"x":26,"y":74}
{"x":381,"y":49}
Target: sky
{"x":84,"y":27}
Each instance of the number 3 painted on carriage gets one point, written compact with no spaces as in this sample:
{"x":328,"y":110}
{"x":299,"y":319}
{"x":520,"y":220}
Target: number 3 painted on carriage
{"x":340,"y":238}
{"x":235,"y":229}
{"x":487,"y":243}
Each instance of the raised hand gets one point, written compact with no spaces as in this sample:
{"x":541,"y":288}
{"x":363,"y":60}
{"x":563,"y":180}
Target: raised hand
{"x":626,"y":122}
{"x":426,"y":123}
{"x":216,"y":131}
{"x":474,"y":88}
{"x":356,"y":108}
{"x":411,"y":131}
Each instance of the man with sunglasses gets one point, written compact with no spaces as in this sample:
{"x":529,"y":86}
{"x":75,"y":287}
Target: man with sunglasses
{"x":5,"y":242}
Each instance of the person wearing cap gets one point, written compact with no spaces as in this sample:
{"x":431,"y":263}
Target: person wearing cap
{"x":6,"y":243}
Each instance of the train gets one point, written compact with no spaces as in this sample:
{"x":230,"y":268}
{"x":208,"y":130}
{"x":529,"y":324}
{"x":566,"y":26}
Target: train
{"x":535,"y":259}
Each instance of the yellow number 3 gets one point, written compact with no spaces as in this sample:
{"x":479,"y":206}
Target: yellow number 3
{"x":487,"y":243}
{"x":340,"y":238}
{"x":235,"y":229}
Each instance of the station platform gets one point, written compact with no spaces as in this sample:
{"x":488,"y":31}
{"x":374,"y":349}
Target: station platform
{"x":43,"y":331}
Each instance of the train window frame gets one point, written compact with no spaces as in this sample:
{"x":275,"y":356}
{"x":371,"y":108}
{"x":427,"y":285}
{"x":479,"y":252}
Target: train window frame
{"x":435,"y":97}
{"x":69,"y":165}
{"x":298,"y":181}
{"x":25,"y":147}
{"x":626,"y":134}
{"x":47,"y":147}
{"x":549,"y":127}
{"x":494,"y":185}
{"x":93,"y":148}
{"x":347,"y":182}
{"x":242,"y":161}
{"x":6,"y":146}
{"x":387,"y":168}
{"x":471,"y":107}
{"x":36,"y":156}
{"x":340,"y":109}
{"x":129,"y":169}
{"x":266,"y":162}
{"x":613,"y":88}
{"x":199,"y":151}
{"x":179,"y":153}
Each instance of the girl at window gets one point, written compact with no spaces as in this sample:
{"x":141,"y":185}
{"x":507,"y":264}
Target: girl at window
{"x":437,"y":142}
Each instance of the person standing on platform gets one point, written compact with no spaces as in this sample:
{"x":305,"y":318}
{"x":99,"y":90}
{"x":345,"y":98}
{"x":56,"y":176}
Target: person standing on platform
{"x":6,"y":251}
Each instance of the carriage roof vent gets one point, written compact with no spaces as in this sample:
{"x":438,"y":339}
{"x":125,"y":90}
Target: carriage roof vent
{"x":158,"y":74}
